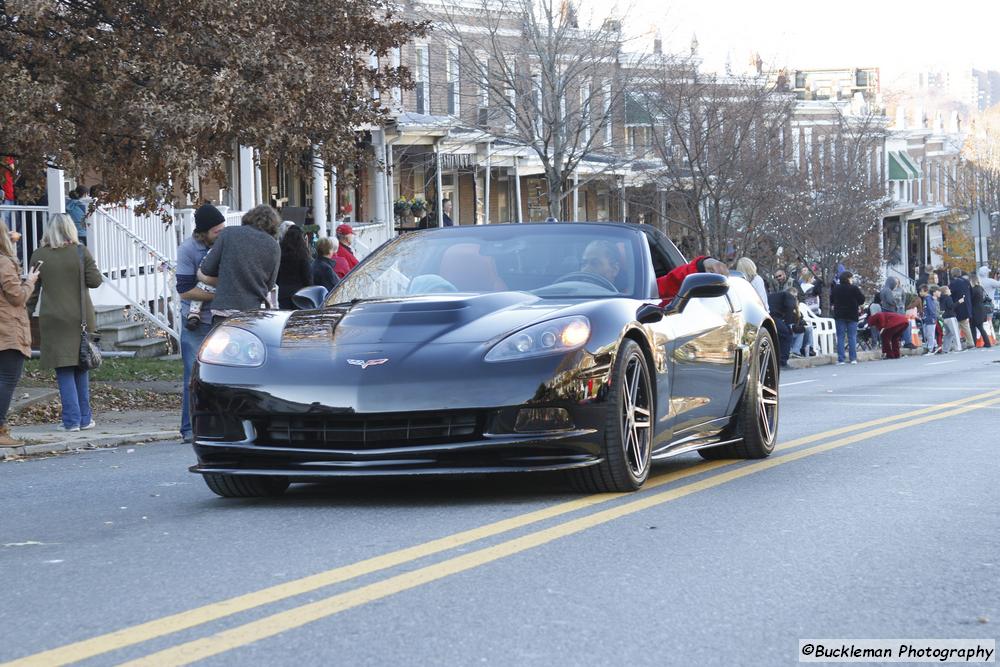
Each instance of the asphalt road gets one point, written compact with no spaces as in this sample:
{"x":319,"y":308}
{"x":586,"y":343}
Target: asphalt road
{"x":877,"y":517}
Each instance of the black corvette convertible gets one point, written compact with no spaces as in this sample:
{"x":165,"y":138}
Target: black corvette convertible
{"x":500,"y":348}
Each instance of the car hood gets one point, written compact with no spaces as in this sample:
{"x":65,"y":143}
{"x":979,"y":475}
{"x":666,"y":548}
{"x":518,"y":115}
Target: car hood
{"x":421,"y":320}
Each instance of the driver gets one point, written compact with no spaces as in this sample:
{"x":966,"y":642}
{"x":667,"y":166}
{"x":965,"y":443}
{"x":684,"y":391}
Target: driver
{"x":601,"y":258}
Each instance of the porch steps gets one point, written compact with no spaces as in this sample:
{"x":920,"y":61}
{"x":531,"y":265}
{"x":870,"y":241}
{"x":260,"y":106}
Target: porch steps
{"x":145,"y":347}
{"x":118,"y":333}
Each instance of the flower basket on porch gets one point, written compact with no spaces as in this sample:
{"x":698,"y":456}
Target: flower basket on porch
{"x":401,"y":207}
{"x":418,"y":207}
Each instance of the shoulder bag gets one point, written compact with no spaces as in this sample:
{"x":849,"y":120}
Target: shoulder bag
{"x":90,"y":354}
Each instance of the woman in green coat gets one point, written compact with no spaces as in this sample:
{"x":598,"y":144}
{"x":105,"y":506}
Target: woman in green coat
{"x":60,"y":315}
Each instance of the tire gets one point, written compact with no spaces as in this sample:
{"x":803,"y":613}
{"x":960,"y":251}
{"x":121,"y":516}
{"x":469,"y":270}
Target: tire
{"x":756,"y":418}
{"x":245,"y":486}
{"x":627,"y":431}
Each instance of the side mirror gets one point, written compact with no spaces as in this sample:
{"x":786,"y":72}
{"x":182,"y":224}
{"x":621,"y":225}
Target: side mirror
{"x":649,"y":313}
{"x":698,"y":286}
{"x":309,"y":298}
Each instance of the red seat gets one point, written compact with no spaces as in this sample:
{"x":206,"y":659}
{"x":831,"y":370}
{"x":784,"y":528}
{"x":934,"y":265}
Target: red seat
{"x":466,"y":269}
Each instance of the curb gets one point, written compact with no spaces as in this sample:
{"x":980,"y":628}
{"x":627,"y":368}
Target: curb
{"x":81,"y":445}
{"x":831,"y":359}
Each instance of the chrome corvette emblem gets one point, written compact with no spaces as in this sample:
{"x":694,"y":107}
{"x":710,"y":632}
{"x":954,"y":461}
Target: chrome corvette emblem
{"x":365,"y":363}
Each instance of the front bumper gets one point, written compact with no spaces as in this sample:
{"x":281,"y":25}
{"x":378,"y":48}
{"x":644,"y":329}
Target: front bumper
{"x":267,"y":437}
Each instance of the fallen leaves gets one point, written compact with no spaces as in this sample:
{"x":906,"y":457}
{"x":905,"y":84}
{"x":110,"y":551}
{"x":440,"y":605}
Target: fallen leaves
{"x":105,"y":399}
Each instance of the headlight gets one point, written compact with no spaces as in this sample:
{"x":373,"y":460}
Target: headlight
{"x":232,"y":346}
{"x":561,"y":335}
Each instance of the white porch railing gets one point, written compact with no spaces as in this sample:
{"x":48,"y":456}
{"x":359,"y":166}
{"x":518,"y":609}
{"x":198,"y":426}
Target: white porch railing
{"x":29,"y":222}
{"x":136,"y":270}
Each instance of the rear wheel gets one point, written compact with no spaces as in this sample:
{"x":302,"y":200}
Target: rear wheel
{"x":756,"y":418}
{"x":628,"y":428}
{"x":245,"y":486}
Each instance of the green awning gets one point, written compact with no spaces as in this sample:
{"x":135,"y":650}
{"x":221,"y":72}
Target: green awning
{"x":902,"y":167}
{"x":637,"y":111}
{"x":910,"y":163}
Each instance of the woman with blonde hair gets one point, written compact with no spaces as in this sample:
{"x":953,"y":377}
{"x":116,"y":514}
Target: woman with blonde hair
{"x":746,"y":266}
{"x":15,"y":334}
{"x":66,"y":268}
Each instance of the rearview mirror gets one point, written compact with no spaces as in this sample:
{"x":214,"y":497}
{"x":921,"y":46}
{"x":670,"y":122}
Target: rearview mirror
{"x":698,"y":286}
{"x":309,"y":298}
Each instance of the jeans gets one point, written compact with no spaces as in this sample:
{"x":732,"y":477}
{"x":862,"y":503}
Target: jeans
{"x":74,"y":391}
{"x":930,"y":336}
{"x":190,"y":344}
{"x":802,"y":343}
{"x":847,"y":332}
{"x":784,"y":340}
{"x":11,"y":365}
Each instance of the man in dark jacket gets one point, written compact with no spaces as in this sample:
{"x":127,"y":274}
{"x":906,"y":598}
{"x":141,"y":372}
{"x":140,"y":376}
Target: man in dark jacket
{"x":847,"y":300}
{"x":961,"y":294}
{"x":784,"y":307}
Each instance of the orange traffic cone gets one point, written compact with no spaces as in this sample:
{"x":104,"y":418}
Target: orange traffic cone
{"x":990,"y":332}
{"x":915,"y":334}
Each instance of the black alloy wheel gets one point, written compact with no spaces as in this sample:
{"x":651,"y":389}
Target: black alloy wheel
{"x":628,"y":429}
{"x":756,"y":420}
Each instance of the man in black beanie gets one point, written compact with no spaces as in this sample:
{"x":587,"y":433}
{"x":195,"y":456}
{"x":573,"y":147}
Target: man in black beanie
{"x":208,"y":224}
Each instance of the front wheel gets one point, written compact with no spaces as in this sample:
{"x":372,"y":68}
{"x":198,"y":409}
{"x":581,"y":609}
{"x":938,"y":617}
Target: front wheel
{"x":628,"y":428}
{"x":245,"y":486}
{"x":756,"y":420}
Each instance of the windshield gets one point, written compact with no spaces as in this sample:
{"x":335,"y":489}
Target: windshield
{"x":550,"y":261}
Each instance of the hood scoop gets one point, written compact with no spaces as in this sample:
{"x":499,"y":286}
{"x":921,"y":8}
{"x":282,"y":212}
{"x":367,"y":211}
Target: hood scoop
{"x":310,"y":328}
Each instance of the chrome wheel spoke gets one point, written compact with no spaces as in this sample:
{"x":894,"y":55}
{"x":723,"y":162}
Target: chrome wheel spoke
{"x":636,"y":417}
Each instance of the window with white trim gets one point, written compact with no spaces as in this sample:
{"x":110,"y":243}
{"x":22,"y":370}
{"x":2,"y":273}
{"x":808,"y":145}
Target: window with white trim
{"x":585,"y":92}
{"x":422,"y":78}
{"x":452,"y":76}
{"x":606,"y":95}
{"x":394,"y":61}
{"x":536,"y":98}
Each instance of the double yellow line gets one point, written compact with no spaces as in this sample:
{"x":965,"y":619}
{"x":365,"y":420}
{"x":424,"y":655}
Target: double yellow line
{"x":298,"y":616}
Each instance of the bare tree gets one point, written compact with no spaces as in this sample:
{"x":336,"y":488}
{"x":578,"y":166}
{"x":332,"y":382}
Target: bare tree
{"x":542,"y":76}
{"x":719,"y":145}
{"x":833,"y":205}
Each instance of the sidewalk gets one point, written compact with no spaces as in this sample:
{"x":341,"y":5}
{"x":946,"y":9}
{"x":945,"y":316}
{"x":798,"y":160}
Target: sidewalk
{"x":113,"y":429}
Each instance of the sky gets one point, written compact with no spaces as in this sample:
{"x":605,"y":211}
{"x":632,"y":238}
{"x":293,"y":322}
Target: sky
{"x":896,"y":36}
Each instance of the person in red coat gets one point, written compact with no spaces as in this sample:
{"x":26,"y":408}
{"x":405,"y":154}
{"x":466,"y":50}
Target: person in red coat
{"x":892,"y":326}
{"x":670,"y":284}
{"x":345,"y":235}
